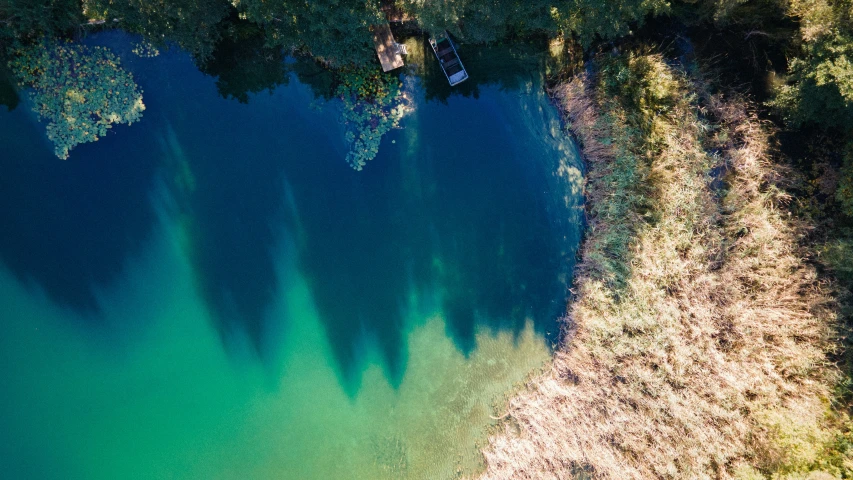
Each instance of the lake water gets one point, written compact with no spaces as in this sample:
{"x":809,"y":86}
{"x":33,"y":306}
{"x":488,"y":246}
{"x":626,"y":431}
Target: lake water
{"x":214,"y":293}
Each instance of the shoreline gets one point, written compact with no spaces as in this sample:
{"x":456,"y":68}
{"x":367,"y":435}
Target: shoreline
{"x":697,"y":345}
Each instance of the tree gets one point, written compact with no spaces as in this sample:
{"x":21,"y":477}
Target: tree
{"x":191,"y":24}
{"x":819,"y":88}
{"x":81,"y":92}
{"x":336,"y":31}
{"x":480,"y":21}
{"x":489,"y":20}
{"x":34,"y":18}
{"x":844,"y":193}
{"x":820,"y":84}
{"x":591,"y":19}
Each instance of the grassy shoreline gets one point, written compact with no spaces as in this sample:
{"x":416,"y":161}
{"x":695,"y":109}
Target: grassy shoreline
{"x":698,"y":343}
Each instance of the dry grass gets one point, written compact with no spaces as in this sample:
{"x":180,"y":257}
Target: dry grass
{"x":695,"y":346}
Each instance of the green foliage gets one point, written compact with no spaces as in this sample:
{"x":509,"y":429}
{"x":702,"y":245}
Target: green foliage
{"x":635,"y":93}
{"x":244,"y":64}
{"x":336,"y":31}
{"x":591,"y":19}
{"x":80,"y":91}
{"x":28,"y":19}
{"x":765,"y":14}
{"x":723,"y":9}
{"x":435,"y":16}
{"x":373,"y":104}
{"x":482,"y":21}
{"x":820,"y":86}
{"x":192,"y":24}
{"x":643,"y":84}
{"x":806,"y":451}
{"x":809,"y":451}
{"x":819,"y":89}
{"x":489,"y":20}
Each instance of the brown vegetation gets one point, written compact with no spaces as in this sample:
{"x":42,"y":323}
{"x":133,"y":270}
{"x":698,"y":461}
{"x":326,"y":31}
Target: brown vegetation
{"x":697,"y":339}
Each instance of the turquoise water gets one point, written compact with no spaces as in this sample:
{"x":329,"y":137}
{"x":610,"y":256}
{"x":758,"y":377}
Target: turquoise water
{"x":214,"y":293}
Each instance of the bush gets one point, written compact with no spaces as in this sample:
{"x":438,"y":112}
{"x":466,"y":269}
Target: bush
{"x":820,"y":85}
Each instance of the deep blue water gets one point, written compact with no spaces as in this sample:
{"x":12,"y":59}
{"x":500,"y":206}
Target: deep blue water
{"x":470,"y":209}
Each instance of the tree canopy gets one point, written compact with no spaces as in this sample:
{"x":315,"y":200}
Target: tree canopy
{"x":252,"y":36}
{"x":194,"y":25}
{"x":28,"y":19}
{"x":335,"y":31}
{"x":243,"y":63}
{"x":820,"y":83}
{"x":489,"y":20}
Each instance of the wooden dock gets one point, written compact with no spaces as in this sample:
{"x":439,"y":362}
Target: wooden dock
{"x":386,"y":47}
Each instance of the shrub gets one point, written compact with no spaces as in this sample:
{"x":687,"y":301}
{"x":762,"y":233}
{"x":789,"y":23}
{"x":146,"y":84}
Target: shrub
{"x":820,"y":86}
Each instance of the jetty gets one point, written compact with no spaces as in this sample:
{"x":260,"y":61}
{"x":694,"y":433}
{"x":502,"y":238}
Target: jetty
{"x":389,"y":51}
{"x":448,"y":58}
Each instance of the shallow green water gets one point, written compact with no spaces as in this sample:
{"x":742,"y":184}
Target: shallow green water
{"x":214,"y":293}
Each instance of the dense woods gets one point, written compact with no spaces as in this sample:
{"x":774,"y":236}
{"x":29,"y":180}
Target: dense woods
{"x":717,"y":307}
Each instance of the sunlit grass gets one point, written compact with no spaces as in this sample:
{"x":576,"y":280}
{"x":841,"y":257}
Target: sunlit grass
{"x":696,"y":344}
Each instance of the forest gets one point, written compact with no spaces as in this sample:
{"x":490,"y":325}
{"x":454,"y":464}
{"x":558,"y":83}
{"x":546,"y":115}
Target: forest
{"x":709,"y":334}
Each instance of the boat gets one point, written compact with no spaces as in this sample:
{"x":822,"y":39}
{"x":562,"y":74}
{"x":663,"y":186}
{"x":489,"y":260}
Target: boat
{"x":448,"y":58}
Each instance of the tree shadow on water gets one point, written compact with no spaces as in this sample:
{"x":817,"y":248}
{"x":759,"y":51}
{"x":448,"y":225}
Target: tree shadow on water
{"x":508,"y":65}
{"x":232,"y":244}
{"x":356,"y":256}
{"x":229,"y":200}
{"x":502,"y":259}
{"x":244,"y":64}
{"x":234,"y":192}
{"x":69,"y":227}
{"x":463,"y":218}
{"x":364,"y":262}
{"x":477,"y":238}
{"x":366,"y":245}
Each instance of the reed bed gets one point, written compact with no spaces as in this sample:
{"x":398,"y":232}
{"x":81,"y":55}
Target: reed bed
{"x":696,"y":342}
